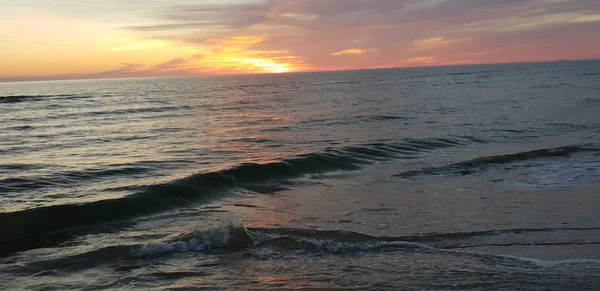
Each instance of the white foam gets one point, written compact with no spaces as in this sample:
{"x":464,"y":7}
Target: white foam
{"x":195,"y":241}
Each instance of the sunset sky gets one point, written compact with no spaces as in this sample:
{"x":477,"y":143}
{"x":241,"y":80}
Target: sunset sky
{"x":48,"y":39}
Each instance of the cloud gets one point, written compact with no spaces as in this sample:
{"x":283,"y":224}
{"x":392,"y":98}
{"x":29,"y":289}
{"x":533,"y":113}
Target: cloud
{"x":125,"y":68}
{"x":428,"y":43}
{"x":353,"y":51}
{"x":179,"y":65}
{"x":418,"y":61}
{"x":174,"y":67}
{"x":172,"y":64}
{"x":311,"y":31}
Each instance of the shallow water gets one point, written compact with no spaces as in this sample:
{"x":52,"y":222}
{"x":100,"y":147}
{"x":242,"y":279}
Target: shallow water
{"x":462,"y":178}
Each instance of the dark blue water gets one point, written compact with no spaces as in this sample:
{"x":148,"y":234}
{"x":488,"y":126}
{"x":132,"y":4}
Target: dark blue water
{"x":467,"y":177}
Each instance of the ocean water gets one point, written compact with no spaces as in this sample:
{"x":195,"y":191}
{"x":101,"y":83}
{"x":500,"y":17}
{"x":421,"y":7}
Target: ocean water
{"x":483,"y":177}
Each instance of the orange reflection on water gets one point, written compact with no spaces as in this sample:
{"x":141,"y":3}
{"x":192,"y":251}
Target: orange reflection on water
{"x":193,"y":283}
{"x":242,"y":133}
{"x":280,"y":281}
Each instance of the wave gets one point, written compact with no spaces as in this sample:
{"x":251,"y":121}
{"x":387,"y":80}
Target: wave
{"x":338,"y":83}
{"x":21,"y":167}
{"x":36,"y":227}
{"x":131,"y":111}
{"x":589,"y":74}
{"x":471,"y":166}
{"x":19,"y":128}
{"x":468,"y":73}
{"x":105,"y":112}
{"x":226,"y":238}
{"x":351,"y":236}
{"x":30,"y":98}
{"x":549,"y":86}
{"x":21,"y":98}
{"x":381,"y":117}
{"x":234,"y":237}
{"x":69,"y":178}
{"x":591,"y":99}
{"x":464,"y":246}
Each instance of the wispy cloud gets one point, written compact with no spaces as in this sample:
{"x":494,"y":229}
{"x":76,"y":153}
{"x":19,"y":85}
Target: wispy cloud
{"x":428,"y":43}
{"x":170,"y":65}
{"x":124,"y":68}
{"x":353,"y":51}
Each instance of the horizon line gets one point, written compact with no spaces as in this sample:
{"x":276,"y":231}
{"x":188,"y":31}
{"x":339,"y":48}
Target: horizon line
{"x":54,"y":78}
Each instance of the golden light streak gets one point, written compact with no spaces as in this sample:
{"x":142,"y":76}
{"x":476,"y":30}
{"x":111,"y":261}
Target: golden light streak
{"x":234,"y":64}
{"x":267,"y":65}
{"x":352,"y":51}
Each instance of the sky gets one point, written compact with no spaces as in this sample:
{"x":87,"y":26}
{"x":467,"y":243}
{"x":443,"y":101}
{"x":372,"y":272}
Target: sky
{"x":60,"y":39}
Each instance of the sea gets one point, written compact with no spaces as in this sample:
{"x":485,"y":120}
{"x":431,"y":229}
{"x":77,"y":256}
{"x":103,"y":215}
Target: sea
{"x":474,"y":177}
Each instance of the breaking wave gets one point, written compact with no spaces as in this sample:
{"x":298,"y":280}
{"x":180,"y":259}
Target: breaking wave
{"x":234,"y":237}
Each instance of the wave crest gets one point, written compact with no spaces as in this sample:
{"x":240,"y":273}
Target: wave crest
{"x":471,"y":166}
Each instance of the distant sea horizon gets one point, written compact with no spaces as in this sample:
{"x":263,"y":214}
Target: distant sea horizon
{"x":71,"y":77}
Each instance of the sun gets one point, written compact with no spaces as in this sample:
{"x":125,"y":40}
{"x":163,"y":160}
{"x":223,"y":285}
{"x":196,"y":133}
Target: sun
{"x":267,"y":65}
{"x":241,"y":64}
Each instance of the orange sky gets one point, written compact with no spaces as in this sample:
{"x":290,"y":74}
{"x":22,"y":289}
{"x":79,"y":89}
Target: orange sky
{"x":49,"y":39}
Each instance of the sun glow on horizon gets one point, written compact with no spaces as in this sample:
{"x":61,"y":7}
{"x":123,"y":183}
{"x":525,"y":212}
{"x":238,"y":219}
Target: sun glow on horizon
{"x":267,"y":65}
{"x":232,"y":64}
{"x":236,"y":54}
